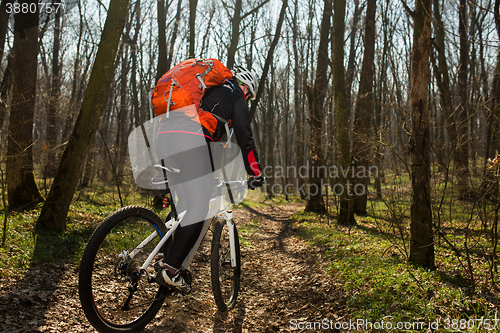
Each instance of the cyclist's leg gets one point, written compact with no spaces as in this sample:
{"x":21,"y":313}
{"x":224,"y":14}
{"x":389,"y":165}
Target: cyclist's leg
{"x":192,"y":187}
{"x":195,"y":194}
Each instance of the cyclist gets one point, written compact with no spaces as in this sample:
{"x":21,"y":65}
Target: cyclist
{"x":187,"y":149}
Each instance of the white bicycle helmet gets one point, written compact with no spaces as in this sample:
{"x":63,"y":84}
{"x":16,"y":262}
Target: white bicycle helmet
{"x":246,"y":77}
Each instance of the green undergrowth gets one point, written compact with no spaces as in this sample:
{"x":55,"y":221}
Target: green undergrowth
{"x":24,"y":248}
{"x":245,"y":233}
{"x":372,"y":269}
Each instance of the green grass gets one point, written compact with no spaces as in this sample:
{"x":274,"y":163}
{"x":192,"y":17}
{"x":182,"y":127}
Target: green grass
{"x":369,"y":261}
{"x":246,"y":231}
{"x":24,"y":247}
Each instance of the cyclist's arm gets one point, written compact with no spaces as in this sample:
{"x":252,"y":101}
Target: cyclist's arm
{"x":244,"y":137}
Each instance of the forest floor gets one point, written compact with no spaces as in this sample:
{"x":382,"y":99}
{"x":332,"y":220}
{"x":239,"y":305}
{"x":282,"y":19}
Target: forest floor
{"x":283,"y":286}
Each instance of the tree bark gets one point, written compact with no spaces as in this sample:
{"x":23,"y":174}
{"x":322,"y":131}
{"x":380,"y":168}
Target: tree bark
{"x":492,"y":143}
{"x":421,"y":234}
{"x":192,"y":26}
{"x":55,"y":209}
{"x":443,"y":79}
{"x":346,"y":215}
{"x":162,"y":41}
{"x":235,"y":34}
{"x":21,"y":186}
{"x":351,"y":64}
{"x":5,"y":88}
{"x":54,"y":100}
{"x":76,"y":83}
{"x":462,"y":151}
{"x":297,"y":73}
{"x":133,"y":78}
{"x":316,"y":100}
{"x":362,"y":124}
{"x":118,"y":163}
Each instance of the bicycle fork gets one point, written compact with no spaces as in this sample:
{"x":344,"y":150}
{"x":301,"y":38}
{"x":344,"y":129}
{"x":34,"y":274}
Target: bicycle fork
{"x":232,"y":242}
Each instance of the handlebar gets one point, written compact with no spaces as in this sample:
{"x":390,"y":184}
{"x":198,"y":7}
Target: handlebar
{"x":221,"y":183}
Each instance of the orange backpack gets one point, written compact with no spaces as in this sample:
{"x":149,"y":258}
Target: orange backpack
{"x":182,"y":87}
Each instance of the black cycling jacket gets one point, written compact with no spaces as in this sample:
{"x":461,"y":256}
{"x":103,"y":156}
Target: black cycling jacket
{"x":229,"y":104}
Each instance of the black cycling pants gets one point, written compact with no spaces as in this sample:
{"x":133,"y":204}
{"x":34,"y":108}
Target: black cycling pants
{"x":191,"y":188}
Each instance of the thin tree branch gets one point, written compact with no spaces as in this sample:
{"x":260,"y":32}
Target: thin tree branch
{"x":256,"y":9}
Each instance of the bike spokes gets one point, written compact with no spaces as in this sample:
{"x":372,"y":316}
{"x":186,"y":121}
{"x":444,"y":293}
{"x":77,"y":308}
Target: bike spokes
{"x":225,"y":276}
{"x":117,"y":295}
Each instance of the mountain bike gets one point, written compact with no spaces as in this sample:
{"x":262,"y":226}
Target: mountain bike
{"x":117,"y":286}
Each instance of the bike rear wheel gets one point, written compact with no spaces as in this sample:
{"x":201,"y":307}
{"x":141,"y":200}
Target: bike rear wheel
{"x":225,"y":276}
{"x":115,"y":295}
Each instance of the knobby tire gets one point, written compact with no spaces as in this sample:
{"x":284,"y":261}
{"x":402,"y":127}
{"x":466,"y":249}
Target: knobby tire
{"x":225,"y":278}
{"x":104,"y":280}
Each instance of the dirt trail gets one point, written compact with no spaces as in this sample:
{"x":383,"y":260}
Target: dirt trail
{"x":281,"y":282}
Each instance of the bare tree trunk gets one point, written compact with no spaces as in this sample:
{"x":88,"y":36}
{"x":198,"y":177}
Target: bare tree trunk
{"x":54,"y":100}
{"x":351,"y":64}
{"x":421,"y":234}
{"x":122,"y":121}
{"x":21,"y":186}
{"x":297,"y":74}
{"x":346,"y":215}
{"x":78,"y":77}
{"x":362,"y":124}
{"x":462,"y":151}
{"x":494,"y":114}
{"x":269,"y":58}
{"x":443,"y":80}
{"x":271,"y":130}
{"x":173,"y":38}
{"x":162,"y":41}
{"x":5,"y":88}
{"x":235,"y":34}
{"x":165,"y":65}
{"x":192,"y":26}
{"x":55,"y":209}
{"x":316,"y":100}
{"x":133,"y":77}
{"x":485,"y":94}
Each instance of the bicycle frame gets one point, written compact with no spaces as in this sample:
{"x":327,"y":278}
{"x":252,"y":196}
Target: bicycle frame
{"x":218,"y":211}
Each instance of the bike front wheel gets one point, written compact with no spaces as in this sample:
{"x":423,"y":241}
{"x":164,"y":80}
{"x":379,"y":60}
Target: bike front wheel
{"x":225,"y":274}
{"x":115,"y":295}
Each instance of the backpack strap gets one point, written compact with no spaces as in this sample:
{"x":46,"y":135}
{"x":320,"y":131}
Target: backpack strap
{"x":169,"y":102}
{"x":219,"y":118}
{"x":201,"y":77}
{"x":226,"y":126}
